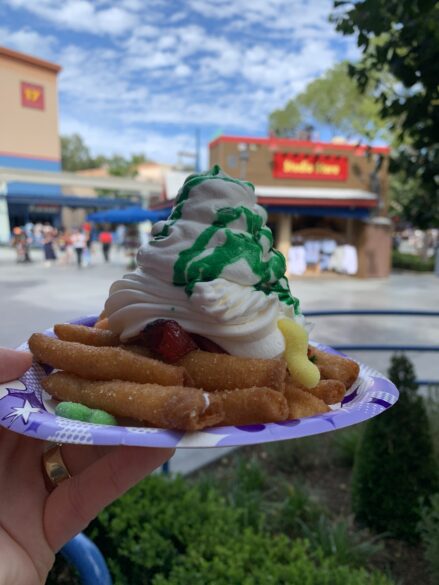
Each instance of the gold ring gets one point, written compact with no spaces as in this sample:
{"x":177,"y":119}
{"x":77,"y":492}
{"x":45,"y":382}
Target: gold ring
{"x":54,"y":468}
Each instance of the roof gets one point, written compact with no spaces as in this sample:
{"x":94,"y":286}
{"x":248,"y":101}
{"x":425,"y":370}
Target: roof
{"x":30,"y":60}
{"x":297,"y":197}
{"x":273,"y":142}
{"x":69,"y":201}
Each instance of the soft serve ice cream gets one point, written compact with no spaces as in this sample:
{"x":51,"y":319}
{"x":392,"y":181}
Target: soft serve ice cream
{"x":212,"y":268}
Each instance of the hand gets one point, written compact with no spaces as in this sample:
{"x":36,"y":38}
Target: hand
{"x":34,"y":523}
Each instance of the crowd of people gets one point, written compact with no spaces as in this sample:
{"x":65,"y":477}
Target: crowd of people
{"x":67,"y":246}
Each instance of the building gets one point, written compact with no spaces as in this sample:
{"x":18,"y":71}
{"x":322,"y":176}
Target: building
{"x":31,"y":179}
{"x":29,"y":132}
{"x":319,"y":192}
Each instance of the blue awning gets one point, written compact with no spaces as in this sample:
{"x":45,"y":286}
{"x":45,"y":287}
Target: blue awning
{"x":316,"y":211}
{"x":69,"y":201}
{"x":129,"y":215}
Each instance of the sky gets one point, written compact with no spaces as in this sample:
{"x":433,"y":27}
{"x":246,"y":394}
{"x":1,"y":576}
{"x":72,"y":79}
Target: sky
{"x":144,"y":76}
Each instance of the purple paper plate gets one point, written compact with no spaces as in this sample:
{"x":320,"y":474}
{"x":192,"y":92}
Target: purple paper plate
{"x":27,"y":409}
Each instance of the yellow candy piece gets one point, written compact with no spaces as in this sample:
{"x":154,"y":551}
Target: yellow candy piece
{"x":296,"y":354}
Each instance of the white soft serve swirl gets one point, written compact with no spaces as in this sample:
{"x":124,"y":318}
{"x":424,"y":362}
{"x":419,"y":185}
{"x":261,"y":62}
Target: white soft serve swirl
{"x":227,"y":310}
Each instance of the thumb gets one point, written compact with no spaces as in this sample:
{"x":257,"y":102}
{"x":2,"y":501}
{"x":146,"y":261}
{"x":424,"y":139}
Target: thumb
{"x":13,"y":363}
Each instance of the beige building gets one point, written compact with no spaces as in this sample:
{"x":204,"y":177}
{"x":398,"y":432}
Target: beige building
{"x":316,"y":193}
{"x":28,"y":107}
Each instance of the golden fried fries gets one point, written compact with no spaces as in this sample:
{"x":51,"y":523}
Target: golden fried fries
{"x":218,"y":371}
{"x":202,"y":390}
{"x":335,"y":367}
{"x":330,"y":391}
{"x":86,"y":335}
{"x":302,"y":403}
{"x":170,"y":407}
{"x":246,"y":406}
{"x":103,"y":363}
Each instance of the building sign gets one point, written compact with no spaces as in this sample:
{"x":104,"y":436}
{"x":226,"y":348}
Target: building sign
{"x":316,"y":167}
{"x":32,"y":96}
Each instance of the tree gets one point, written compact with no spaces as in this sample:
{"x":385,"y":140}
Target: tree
{"x":122,"y":167}
{"x":286,"y":122}
{"x":334,"y":101}
{"x":75,"y":155}
{"x":395,"y":468}
{"x":399,"y":38}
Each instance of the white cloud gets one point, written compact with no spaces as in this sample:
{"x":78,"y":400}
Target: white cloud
{"x":155,"y":145}
{"x":29,"y":41}
{"x":80,"y":15}
{"x":147,"y":76}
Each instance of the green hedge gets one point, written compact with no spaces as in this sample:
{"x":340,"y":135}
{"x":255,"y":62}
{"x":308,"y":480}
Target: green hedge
{"x":168,"y":532}
{"x":395,"y":467}
{"x":411,"y":262}
{"x":429,"y":528}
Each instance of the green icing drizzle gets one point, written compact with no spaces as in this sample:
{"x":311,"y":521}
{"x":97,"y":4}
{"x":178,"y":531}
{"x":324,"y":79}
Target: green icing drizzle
{"x":192,"y":181}
{"x":193,"y":266}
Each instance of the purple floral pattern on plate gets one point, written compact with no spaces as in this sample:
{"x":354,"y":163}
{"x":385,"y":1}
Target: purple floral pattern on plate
{"x":26,"y":408}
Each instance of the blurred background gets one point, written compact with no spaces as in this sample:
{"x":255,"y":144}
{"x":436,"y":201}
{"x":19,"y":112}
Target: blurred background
{"x":331,"y":110}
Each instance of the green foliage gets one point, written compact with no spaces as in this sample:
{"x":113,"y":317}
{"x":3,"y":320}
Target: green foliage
{"x":335,"y":101}
{"x":254,"y":559}
{"x":399,"y":40}
{"x":168,"y":532}
{"x":75,"y":154}
{"x":411,"y":262}
{"x":432,"y":405}
{"x":286,"y":122}
{"x":336,"y":540}
{"x":395,"y":466}
{"x":429,"y":528}
{"x":301,"y":454}
{"x":346,"y":444}
{"x":296,"y":509}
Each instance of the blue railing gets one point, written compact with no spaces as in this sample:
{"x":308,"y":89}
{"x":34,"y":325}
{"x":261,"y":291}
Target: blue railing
{"x":84,"y":555}
{"x":380,"y":347}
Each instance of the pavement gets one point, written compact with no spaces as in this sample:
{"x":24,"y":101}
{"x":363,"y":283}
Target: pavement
{"x":33,"y":297}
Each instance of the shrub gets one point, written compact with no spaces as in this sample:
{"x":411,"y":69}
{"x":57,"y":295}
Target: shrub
{"x":255,"y":559}
{"x":346,"y":444}
{"x":300,"y":454}
{"x":337,"y":540}
{"x":395,"y":465}
{"x":296,"y":509}
{"x":411,"y":262}
{"x":429,"y":528}
{"x":168,"y":532}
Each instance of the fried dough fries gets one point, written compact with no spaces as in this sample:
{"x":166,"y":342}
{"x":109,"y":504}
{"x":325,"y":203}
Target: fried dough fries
{"x":201,"y":390}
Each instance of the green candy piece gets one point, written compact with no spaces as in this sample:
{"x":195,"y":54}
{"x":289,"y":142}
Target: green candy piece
{"x":73,"y":410}
{"x":100,"y":417}
{"x":76,"y":411}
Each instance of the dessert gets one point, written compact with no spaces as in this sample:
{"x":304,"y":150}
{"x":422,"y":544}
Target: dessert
{"x":205,"y":331}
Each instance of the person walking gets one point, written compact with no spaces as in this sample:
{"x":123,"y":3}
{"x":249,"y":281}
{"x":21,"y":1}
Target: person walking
{"x":79,"y":243}
{"x":49,"y":235}
{"x":106,"y":239}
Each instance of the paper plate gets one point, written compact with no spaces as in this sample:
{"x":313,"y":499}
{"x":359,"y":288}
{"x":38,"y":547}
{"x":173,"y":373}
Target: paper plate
{"x":27,"y":409}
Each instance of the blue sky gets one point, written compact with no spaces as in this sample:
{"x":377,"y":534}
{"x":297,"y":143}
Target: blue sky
{"x":143,"y":75}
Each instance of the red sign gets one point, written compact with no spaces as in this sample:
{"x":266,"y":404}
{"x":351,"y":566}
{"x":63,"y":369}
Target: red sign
{"x":32,"y":96}
{"x":316,"y":167}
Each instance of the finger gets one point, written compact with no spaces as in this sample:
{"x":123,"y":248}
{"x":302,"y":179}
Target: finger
{"x":71,"y":506}
{"x":13,"y":363}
